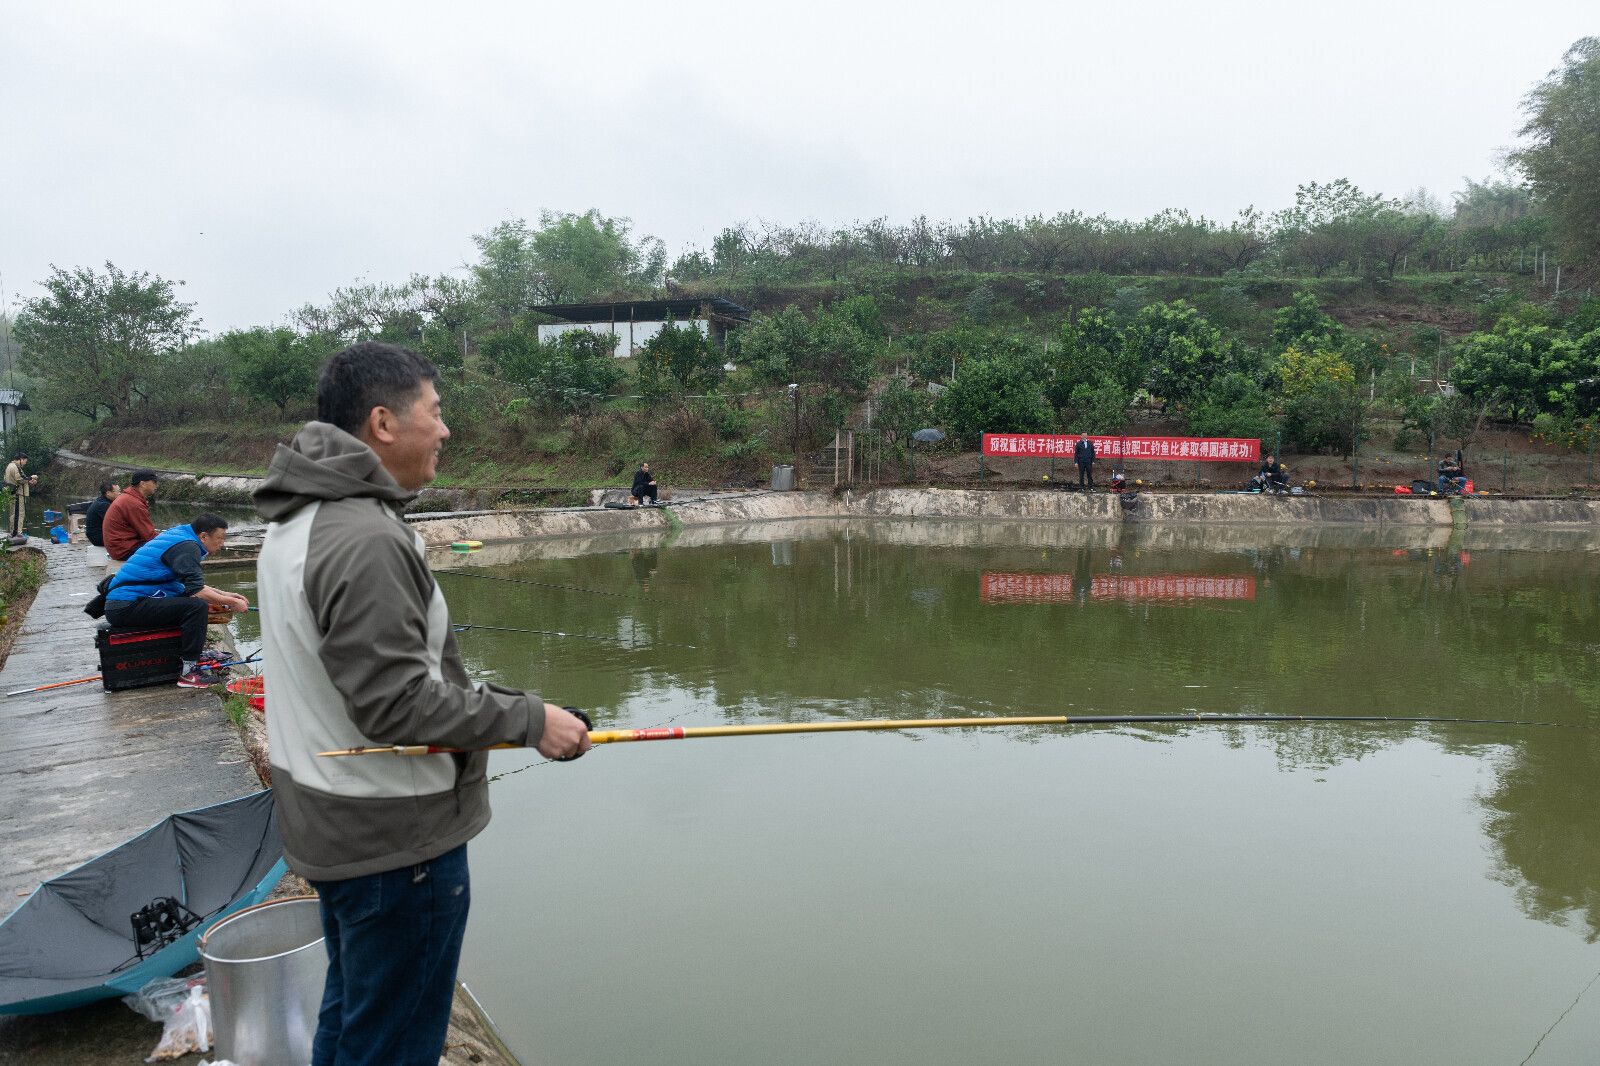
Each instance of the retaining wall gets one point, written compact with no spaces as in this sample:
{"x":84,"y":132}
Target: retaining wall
{"x":1155,"y":510}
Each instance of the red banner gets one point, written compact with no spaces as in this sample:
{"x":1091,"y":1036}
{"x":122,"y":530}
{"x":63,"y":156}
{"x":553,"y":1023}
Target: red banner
{"x":1025,"y":588}
{"x":1171,"y":587}
{"x":1000,"y":587}
{"x":1059,"y":446}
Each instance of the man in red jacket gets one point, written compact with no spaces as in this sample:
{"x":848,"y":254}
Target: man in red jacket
{"x":127,"y":524}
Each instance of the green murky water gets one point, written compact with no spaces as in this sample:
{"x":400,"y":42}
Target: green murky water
{"x":1190,"y":894}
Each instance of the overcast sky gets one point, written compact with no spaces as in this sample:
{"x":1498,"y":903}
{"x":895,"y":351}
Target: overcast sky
{"x":267,"y":153}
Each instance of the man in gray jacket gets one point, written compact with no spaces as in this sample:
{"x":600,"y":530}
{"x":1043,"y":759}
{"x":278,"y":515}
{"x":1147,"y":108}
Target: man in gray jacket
{"x":361,"y":652}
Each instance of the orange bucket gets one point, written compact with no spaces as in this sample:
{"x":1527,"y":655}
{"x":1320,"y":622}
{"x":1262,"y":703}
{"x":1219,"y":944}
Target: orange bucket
{"x":253,"y":687}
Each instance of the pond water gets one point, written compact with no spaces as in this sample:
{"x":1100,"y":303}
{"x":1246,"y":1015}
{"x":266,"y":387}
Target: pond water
{"x":1310,"y":893}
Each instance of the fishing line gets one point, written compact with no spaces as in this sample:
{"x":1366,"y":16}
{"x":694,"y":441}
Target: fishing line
{"x":459,"y":572}
{"x":1558,"y":1021}
{"x":462,"y":627}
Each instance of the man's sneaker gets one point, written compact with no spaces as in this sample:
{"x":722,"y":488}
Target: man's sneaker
{"x":196,"y":678}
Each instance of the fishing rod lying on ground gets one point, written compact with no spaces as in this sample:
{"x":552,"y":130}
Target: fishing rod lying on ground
{"x":623,"y":736}
{"x":209,"y":664}
{"x":462,"y":627}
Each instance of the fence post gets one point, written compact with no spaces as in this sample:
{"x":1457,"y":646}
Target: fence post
{"x":1505,"y":470}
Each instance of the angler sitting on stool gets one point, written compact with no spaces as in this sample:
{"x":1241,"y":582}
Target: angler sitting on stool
{"x":644,"y":484}
{"x":162,"y":585}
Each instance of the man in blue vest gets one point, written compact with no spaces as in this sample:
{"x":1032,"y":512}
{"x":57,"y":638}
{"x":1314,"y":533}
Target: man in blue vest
{"x":162,"y":585}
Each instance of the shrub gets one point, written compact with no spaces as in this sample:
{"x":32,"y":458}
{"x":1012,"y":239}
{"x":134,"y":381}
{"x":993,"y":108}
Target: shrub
{"x":994,"y":395}
{"x":684,"y":429}
{"x":594,"y":434}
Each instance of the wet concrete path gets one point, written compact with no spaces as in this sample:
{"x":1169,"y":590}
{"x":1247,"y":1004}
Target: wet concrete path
{"x":83,"y":770}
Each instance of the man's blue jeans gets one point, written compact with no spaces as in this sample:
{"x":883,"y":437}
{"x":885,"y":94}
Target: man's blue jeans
{"x":393,"y":943}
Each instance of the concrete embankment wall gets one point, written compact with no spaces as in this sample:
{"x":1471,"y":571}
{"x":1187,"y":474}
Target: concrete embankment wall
{"x":1524,"y":514}
{"x":1000,"y":506}
{"x":1486,"y":514}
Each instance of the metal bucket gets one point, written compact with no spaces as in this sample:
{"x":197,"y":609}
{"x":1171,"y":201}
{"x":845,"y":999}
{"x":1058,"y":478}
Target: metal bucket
{"x":783,"y":478}
{"x":265,"y":966}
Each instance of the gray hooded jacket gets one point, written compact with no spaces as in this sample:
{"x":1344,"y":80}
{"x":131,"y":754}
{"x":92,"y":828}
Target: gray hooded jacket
{"x":359,"y":651}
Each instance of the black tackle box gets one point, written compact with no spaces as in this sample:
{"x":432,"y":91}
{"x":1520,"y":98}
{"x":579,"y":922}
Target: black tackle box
{"x":132,"y":658}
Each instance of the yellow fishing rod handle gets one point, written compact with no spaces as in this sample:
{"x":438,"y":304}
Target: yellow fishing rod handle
{"x":621,"y":736}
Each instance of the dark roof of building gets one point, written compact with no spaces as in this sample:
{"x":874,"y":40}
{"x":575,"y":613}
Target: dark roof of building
{"x":647,"y":310}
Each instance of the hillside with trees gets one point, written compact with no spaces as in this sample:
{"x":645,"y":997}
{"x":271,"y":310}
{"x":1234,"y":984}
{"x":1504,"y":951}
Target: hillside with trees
{"x":1345,"y":318}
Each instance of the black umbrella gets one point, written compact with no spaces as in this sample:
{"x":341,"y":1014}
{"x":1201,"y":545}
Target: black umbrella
{"x":928,"y":436}
{"x":135,"y":913}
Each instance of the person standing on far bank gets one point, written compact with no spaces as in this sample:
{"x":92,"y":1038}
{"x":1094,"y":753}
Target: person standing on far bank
{"x":1083,"y":455}
{"x":19,"y":482}
{"x":362,"y":653}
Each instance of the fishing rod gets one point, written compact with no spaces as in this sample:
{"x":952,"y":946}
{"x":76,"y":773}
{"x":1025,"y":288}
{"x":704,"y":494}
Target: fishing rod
{"x":210,"y":664}
{"x":462,"y":627}
{"x":459,"y":572}
{"x":624,"y":736}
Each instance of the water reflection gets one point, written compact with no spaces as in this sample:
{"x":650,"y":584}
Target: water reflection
{"x":792,"y":620}
{"x":1391,"y":860}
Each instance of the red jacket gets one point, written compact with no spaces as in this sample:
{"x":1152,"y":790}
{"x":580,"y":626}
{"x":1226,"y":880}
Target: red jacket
{"x":127,"y":524}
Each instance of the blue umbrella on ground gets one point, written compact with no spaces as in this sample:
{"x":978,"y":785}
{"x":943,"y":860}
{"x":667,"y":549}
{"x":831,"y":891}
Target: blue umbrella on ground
{"x":926,"y":436}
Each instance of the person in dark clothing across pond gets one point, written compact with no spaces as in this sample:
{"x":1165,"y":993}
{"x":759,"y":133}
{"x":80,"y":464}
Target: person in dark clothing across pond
{"x":162,"y":585}
{"x":1083,"y":455}
{"x":1452,"y":475}
{"x":1271,"y":477}
{"x":644,"y":484}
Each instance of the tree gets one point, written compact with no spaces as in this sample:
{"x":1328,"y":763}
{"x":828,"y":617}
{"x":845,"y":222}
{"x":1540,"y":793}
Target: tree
{"x":93,"y":341}
{"x":1101,"y":407}
{"x":1508,"y":365}
{"x":1304,"y":324}
{"x":1562,"y":160}
{"x":1327,"y":224}
{"x":567,"y":258}
{"x":830,"y":350}
{"x":1571,"y":376}
{"x":995,"y":394}
{"x":1179,"y":350}
{"x":276,"y":365}
{"x":508,"y":275}
{"x":1299,"y":371}
{"x":682,"y":356}
{"x":1235,"y":406}
{"x":587,"y":256}
{"x":1094,"y":350}
{"x":572,"y":372}
{"x":1330,"y":415}
{"x":900,"y":411}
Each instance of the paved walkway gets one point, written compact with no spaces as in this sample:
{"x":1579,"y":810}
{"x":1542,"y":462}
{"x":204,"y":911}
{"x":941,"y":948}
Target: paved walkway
{"x":81,"y":771}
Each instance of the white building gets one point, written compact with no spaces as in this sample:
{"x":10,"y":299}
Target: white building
{"x":11,"y":403}
{"x":634,"y":322}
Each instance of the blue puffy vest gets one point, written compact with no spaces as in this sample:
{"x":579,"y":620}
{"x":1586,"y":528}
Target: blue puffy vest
{"x":144,"y":574}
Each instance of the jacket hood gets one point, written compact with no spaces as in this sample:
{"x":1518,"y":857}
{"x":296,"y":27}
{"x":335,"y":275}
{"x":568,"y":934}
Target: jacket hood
{"x":323,"y":462}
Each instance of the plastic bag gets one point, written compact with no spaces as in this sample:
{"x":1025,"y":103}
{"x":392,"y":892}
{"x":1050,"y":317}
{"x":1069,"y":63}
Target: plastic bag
{"x":184,"y":1011}
{"x":158,"y":998}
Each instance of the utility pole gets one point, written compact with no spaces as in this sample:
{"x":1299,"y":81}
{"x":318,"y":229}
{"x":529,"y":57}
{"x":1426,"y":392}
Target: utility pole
{"x":794,"y":393}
